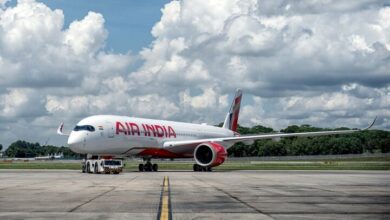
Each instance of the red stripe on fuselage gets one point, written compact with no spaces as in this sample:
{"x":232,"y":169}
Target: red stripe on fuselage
{"x":161,"y":153}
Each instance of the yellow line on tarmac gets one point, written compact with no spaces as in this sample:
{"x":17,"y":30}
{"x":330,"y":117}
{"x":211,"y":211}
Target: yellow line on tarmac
{"x":165,"y":211}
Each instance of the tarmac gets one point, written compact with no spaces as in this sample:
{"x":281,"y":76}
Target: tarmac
{"x":69,"y":194}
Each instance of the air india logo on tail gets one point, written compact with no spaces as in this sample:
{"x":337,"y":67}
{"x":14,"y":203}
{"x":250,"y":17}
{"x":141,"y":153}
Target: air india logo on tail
{"x":235,"y":112}
{"x":232,"y":116}
{"x":130,"y":128}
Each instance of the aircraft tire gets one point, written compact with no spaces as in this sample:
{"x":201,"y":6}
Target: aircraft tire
{"x":96,"y":168}
{"x":155,"y":167}
{"x":88,"y":168}
{"x":141,"y":167}
{"x":148,"y":167}
{"x":197,"y":168}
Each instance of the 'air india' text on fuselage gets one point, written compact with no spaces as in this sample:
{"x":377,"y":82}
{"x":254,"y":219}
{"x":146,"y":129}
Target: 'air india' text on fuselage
{"x":131,"y":128}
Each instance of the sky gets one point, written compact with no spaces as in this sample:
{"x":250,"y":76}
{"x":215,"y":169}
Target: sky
{"x":319,"y":62}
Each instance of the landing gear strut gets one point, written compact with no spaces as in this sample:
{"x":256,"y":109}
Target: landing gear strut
{"x":148,"y":166}
{"x":199,"y":168}
{"x":83,"y":165}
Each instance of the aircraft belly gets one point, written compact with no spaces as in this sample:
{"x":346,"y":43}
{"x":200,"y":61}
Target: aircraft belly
{"x":185,"y":149}
{"x":135,"y":145}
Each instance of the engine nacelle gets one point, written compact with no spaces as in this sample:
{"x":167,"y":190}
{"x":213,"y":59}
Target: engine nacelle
{"x":210,"y":154}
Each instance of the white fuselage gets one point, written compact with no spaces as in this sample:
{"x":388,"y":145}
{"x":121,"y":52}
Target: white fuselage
{"x":122,"y":135}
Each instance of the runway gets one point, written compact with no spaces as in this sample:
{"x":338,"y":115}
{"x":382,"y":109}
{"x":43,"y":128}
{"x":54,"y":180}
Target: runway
{"x":192,"y":195}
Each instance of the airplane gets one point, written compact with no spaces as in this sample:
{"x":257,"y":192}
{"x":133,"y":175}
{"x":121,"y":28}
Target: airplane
{"x":51,"y":157}
{"x":122,"y":136}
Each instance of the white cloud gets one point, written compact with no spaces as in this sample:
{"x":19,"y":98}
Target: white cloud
{"x":50,"y":72}
{"x":360,"y":44}
{"x":29,"y":22}
{"x":13,"y":101}
{"x":324,"y":63}
{"x":152,"y":105}
{"x":209,"y":99}
{"x":20,"y":103}
{"x":36,"y":50}
{"x":87,"y":35}
{"x":296,"y":55}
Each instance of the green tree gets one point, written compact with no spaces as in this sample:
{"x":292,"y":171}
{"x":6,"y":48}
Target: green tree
{"x":272,"y":148}
{"x":243,"y":130}
{"x":260,"y":129}
{"x":298,"y":146}
{"x":365,"y":141}
{"x":238,"y":150}
{"x":25,"y":149}
{"x":302,"y":128}
{"x":245,"y":150}
{"x":385,"y":145}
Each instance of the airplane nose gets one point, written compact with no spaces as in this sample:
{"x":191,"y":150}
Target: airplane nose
{"x":74,"y":142}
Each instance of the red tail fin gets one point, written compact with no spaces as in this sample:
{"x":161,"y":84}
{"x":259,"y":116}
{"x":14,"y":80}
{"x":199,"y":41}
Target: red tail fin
{"x":231,"y":120}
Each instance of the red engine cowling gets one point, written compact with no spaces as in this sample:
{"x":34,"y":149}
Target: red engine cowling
{"x":210,"y":154}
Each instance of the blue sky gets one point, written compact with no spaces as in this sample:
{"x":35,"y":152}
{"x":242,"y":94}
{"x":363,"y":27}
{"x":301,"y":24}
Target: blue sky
{"x":128,"y":22}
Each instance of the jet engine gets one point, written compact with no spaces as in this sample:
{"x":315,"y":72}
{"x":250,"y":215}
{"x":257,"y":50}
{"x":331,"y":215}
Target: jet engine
{"x":210,"y":154}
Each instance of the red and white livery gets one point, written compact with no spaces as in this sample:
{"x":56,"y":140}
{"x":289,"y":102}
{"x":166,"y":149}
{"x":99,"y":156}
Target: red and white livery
{"x":122,"y":136}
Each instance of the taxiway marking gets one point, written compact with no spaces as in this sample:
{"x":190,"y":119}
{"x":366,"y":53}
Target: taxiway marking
{"x":165,"y":211}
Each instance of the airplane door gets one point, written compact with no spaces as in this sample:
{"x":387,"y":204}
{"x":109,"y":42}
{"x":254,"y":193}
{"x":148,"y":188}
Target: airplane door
{"x":110,"y":130}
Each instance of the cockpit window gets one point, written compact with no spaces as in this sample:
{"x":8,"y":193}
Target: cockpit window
{"x":84,"y":128}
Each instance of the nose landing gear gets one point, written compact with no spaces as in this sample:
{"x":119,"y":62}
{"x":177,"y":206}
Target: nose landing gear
{"x":148,"y":166}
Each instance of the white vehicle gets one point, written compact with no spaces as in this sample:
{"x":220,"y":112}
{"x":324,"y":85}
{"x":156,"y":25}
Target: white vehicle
{"x":106,"y":166}
{"x":122,"y":136}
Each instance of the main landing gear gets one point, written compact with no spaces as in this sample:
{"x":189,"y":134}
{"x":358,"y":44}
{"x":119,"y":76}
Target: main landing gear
{"x":148,"y":166}
{"x":199,"y":168}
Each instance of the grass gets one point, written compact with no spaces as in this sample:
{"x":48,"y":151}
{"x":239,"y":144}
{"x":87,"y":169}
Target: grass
{"x":40,"y":165}
{"x":363,"y":159}
{"x":379,"y":164}
{"x":309,"y":166}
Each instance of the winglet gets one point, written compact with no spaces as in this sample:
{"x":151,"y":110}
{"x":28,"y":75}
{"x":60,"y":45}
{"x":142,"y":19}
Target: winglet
{"x":59,"y":129}
{"x":372,"y":124}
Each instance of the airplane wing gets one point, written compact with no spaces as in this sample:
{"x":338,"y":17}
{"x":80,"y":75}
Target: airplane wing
{"x":170,"y":144}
